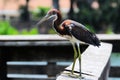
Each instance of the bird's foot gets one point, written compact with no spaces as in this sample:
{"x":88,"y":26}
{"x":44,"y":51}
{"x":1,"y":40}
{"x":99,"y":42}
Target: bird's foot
{"x":73,"y":75}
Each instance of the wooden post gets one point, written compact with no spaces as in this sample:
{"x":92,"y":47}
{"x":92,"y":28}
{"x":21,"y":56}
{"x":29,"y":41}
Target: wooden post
{"x":50,"y":69}
{"x":95,"y":64}
{"x":4,"y":57}
{"x":3,"y":66}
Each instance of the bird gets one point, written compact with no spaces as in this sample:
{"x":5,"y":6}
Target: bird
{"x":74,"y":31}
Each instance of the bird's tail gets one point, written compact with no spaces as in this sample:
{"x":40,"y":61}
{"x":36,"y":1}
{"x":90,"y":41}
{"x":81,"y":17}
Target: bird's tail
{"x":96,"y":41}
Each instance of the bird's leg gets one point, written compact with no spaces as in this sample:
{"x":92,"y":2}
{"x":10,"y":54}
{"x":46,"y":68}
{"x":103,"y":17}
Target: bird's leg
{"x":79,"y":57}
{"x":75,"y":57}
{"x":72,"y":74}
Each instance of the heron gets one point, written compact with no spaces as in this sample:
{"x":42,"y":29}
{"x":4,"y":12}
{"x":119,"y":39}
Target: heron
{"x":74,"y":31}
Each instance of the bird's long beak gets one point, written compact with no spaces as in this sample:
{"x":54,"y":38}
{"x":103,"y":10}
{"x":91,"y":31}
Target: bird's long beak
{"x":47,"y":18}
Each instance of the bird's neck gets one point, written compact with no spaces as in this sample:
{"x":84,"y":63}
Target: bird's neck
{"x":57,"y":24}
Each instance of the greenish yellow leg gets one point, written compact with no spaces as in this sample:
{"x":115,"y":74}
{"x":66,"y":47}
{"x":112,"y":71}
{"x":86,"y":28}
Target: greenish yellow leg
{"x":79,"y":57}
{"x":75,"y":57}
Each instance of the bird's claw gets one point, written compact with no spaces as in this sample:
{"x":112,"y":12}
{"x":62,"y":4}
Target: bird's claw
{"x":73,"y":75}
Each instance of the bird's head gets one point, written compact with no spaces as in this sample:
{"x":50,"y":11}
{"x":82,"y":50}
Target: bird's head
{"x":52,"y":16}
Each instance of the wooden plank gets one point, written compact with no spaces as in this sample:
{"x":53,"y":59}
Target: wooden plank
{"x":30,"y":37}
{"x":94,"y":61}
{"x":52,"y":40}
{"x":4,"y":57}
{"x":51,"y":37}
{"x":34,"y":76}
{"x":34,"y":43}
{"x":28,"y":63}
{"x":108,"y":36}
{"x":3,"y":67}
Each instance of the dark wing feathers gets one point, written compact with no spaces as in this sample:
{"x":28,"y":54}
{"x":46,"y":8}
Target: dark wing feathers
{"x":83,"y":34}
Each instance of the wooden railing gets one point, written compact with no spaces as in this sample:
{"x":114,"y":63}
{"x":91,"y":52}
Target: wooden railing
{"x":95,"y":64}
{"x":53,"y":50}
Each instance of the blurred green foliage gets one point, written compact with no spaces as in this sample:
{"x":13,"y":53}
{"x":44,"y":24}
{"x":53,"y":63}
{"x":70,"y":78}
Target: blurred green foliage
{"x":106,"y":15}
{"x":109,"y":31}
{"x":51,"y":31}
{"x":7,"y":29}
{"x":40,"y":12}
{"x":90,"y":28}
{"x":104,"y":19}
{"x":33,"y":31}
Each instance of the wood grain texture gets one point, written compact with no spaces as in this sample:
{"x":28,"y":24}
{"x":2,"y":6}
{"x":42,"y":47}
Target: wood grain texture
{"x":51,"y":37}
{"x":94,"y":61}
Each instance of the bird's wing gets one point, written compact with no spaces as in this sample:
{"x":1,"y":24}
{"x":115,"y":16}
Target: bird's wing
{"x":81,"y":33}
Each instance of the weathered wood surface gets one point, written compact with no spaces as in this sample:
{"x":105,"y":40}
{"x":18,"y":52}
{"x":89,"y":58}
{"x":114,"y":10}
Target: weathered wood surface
{"x":51,"y":37}
{"x":52,"y":40}
{"x":94,"y":62}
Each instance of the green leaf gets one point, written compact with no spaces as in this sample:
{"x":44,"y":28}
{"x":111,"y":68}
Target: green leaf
{"x":33,"y":31}
{"x":24,"y":32}
{"x":12,"y":31}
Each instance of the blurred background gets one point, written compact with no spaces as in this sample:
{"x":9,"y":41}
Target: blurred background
{"x":20,"y":16}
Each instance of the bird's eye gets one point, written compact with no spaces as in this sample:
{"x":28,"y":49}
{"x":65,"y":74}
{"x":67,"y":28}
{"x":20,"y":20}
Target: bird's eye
{"x":54,"y":12}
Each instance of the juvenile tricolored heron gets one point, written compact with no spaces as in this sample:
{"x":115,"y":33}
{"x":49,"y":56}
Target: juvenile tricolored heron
{"x":73,"y":31}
